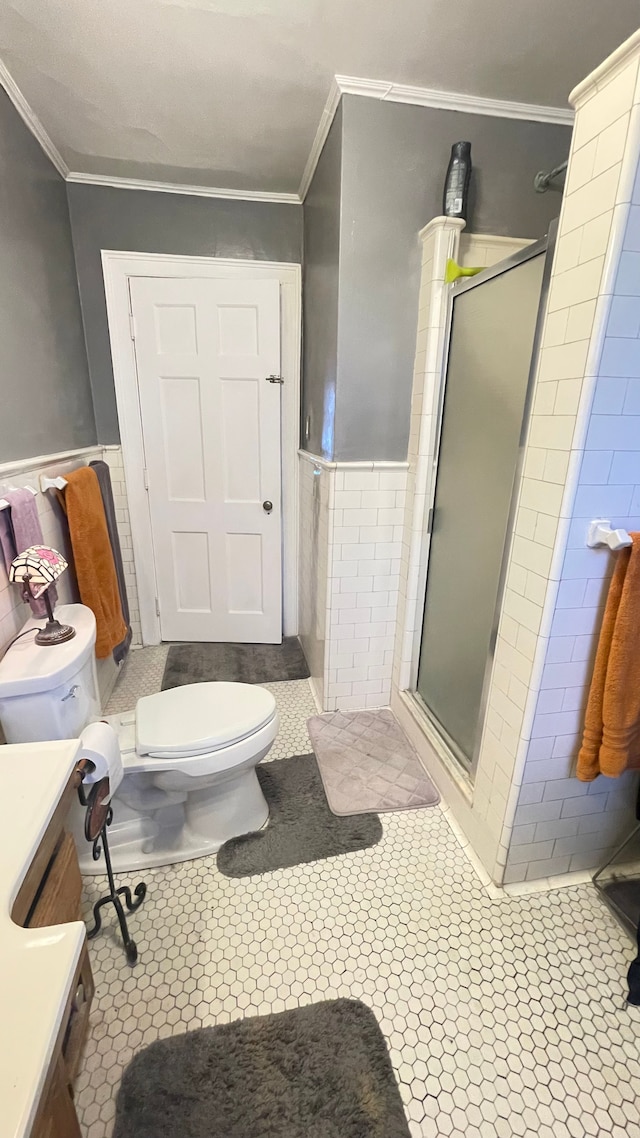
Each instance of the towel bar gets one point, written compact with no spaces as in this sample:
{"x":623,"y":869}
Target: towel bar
{"x":4,"y":505}
{"x":600,"y":533}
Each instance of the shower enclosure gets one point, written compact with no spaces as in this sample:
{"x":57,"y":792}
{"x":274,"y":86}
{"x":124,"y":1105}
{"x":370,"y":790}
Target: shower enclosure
{"x":484,"y":412}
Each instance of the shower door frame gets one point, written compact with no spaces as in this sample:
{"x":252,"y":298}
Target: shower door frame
{"x":544,"y":247}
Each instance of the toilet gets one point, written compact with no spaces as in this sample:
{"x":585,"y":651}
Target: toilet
{"x":189,"y":754}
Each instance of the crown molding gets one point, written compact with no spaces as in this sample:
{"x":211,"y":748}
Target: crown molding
{"x":452,"y":101}
{"x":31,"y":120}
{"x":341,"y":85}
{"x":324,"y":126}
{"x":421,"y":97}
{"x":178,"y":188}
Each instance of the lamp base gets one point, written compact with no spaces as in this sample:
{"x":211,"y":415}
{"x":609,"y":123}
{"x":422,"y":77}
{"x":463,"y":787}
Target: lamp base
{"x":55,"y":633}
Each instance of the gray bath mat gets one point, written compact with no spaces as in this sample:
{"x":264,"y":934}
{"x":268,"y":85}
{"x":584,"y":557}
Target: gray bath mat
{"x":368,"y":764}
{"x":321,"y":1071}
{"x":239,"y":663}
{"x":301,"y":826}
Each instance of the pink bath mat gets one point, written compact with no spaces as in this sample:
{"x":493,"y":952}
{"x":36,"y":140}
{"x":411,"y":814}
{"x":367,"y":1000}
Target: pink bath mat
{"x":367,"y":763}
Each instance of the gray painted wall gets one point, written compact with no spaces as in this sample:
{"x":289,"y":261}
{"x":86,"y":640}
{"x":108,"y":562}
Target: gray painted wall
{"x":394,"y":159}
{"x":46,"y":397}
{"x":321,"y":268}
{"x":140,"y":221}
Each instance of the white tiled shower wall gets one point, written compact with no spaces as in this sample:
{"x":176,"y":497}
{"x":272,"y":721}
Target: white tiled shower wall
{"x":560,"y":823}
{"x":585,"y":423}
{"x":581,"y":461}
{"x":13,"y":613}
{"x":351,"y":532}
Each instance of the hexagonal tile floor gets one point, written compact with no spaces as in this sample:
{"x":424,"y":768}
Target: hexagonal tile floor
{"x":141,"y":675}
{"x":503,"y":1017}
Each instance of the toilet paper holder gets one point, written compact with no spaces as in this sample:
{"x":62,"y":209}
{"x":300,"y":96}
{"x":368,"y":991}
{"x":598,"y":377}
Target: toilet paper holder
{"x":99,"y":815}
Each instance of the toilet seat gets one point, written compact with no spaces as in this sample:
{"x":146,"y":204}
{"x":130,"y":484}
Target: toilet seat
{"x":211,"y":762}
{"x":197,"y":729}
{"x":199,"y":719}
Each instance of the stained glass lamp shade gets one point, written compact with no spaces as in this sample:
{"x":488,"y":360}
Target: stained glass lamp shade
{"x":37,"y":568}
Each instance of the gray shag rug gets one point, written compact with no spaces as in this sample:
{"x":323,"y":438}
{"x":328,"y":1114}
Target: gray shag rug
{"x":367,"y":763}
{"x":321,"y":1071}
{"x":235,"y":663}
{"x":301,"y":826}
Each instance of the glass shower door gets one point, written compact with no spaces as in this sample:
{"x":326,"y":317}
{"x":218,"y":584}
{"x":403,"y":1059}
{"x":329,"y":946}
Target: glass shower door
{"x":483,"y":417}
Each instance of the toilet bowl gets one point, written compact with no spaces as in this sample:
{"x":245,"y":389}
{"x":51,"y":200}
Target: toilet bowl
{"x":189,"y":754}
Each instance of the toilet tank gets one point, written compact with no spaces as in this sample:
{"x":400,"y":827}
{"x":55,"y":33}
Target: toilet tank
{"x":50,"y":692}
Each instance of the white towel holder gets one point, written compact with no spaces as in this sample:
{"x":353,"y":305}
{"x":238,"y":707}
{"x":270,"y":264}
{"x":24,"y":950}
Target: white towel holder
{"x":600,"y":533}
{"x":46,"y":483}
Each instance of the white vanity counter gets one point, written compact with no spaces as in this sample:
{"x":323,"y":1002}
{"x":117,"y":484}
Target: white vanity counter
{"x":37,"y":965}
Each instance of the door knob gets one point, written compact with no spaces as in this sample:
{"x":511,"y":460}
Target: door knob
{"x":267,"y":506}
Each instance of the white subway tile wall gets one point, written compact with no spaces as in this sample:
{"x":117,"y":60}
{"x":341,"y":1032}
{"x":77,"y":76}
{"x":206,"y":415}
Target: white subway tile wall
{"x":366,"y":511}
{"x":350,"y":547}
{"x":312,"y":571}
{"x":590,"y":375}
{"x":526,"y":816}
{"x":588,"y":820}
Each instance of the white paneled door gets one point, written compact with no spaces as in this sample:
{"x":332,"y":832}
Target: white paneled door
{"x":205,"y":349}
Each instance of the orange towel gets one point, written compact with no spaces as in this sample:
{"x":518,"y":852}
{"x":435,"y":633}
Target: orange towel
{"x":611,"y":739}
{"x":93,"y":557}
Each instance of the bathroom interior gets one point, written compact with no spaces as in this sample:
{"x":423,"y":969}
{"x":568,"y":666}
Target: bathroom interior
{"x":320,"y":570}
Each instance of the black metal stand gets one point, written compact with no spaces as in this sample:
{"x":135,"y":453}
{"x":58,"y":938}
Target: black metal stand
{"x":99,"y":815}
{"x":633,"y":977}
{"x":622,"y":895}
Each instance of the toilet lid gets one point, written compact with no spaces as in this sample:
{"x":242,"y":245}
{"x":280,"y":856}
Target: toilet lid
{"x":198,"y":718}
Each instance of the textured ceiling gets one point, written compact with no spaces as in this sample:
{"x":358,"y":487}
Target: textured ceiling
{"x":229,"y":93}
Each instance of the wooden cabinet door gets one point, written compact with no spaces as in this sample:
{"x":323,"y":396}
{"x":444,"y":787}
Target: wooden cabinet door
{"x":57,"y":1117}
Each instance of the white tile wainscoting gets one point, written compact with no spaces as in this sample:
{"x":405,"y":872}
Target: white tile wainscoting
{"x":526,"y":816}
{"x":13,"y":612}
{"x":313,"y":540}
{"x":351,"y":524}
